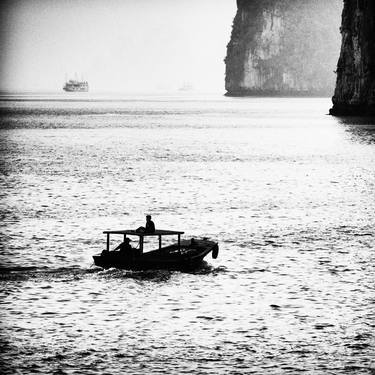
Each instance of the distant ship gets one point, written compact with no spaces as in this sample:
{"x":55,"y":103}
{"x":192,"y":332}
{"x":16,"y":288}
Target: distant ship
{"x":76,"y":86}
{"x":187,"y":86}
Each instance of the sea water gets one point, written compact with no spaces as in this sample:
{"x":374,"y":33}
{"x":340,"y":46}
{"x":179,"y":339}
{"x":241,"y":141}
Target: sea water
{"x":286,"y":190}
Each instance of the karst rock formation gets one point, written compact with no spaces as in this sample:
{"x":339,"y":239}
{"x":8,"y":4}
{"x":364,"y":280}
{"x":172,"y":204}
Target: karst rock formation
{"x":355,"y":86}
{"x":283,"y":47}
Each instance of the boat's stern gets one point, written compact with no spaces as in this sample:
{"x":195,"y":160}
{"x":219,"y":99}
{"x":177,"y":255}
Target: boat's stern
{"x":105,"y":259}
{"x":99,"y":261}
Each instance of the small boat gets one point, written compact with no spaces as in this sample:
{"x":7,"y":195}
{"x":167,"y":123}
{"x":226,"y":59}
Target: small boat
{"x":184,"y":254}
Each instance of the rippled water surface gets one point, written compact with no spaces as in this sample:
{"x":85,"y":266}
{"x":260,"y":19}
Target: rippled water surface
{"x":287,"y":191}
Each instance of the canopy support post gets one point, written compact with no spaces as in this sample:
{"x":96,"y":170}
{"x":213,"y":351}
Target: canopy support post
{"x":179,"y":242}
{"x":159,"y":242}
{"x":141,"y":244}
{"x":107,"y":241}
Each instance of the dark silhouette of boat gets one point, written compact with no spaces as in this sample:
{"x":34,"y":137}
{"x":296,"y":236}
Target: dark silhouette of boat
{"x":185,"y":254}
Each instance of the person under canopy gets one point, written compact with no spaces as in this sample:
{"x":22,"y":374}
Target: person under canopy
{"x":125,"y":248}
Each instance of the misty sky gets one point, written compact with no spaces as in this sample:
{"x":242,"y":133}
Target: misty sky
{"x":118,"y":45}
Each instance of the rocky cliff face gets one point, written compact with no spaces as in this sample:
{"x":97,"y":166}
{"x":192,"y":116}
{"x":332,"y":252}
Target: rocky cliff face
{"x":283,"y":47}
{"x":355,"y":87}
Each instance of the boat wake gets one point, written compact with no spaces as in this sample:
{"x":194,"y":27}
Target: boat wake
{"x":66,"y":274}
{"x":44,"y":273}
{"x":152,"y":275}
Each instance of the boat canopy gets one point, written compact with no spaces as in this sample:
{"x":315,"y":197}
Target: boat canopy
{"x":158,"y":233}
{"x":132,"y":232}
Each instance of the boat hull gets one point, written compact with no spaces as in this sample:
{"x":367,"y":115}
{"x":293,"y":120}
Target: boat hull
{"x":68,"y":89}
{"x":187,"y":256}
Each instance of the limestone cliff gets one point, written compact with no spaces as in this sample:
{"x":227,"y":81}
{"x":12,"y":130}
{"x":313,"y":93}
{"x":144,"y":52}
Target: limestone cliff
{"x":283,"y":47}
{"x":355,"y":86}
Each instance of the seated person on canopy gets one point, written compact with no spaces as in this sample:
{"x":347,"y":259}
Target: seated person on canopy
{"x":150,"y":226}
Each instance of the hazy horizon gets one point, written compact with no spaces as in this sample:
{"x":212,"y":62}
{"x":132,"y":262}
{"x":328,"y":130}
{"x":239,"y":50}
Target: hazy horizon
{"x":118,"y":46}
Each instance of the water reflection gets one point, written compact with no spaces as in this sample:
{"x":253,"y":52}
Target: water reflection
{"x":361,"y":129}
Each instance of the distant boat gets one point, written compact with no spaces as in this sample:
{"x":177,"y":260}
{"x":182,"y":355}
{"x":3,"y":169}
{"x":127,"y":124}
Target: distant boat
{"x":76,"y":86}
{"x":186,"y":87}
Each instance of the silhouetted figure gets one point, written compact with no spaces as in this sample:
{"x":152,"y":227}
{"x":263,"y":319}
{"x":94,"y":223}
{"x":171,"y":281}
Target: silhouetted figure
{"x":125,"y":248}
{"x":150,"y":226}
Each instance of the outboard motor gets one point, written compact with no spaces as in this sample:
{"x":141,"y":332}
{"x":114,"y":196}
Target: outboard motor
{"x":215,"y":251}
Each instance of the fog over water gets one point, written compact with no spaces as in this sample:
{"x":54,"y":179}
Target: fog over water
{"x":117,"y":45}
{"x":287,"y":191}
